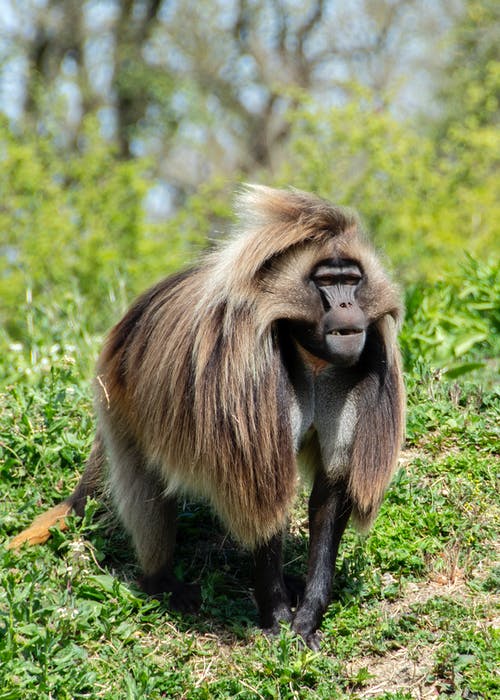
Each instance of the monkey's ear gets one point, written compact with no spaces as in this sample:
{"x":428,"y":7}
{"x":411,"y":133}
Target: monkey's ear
{"x":380,"y":425}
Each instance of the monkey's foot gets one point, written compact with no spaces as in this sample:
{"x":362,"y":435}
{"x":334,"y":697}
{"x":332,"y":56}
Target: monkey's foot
{"x":184,"y":597}
{"x":311,"y":638}
{"x":271,"y":620}
{"x":307,"y":638}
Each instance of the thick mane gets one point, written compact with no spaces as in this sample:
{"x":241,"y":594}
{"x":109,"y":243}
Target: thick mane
{"x":217,"y":393}
{"x":204,"y":379}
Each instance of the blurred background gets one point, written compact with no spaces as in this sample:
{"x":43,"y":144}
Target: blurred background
{"x":125,"y":127}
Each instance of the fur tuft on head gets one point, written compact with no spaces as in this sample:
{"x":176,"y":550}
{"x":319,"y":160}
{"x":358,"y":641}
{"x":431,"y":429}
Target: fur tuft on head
{"x":271,"y":221}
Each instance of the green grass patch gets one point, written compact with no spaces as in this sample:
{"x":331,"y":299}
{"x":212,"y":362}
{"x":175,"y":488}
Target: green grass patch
{"x":415,"y":606}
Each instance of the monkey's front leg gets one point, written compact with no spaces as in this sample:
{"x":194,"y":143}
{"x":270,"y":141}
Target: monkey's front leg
{"x":329,"y":512}
{"x":270,"y":590}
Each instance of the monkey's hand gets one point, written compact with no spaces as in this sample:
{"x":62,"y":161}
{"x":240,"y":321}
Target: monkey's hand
{"x":305,"y":624}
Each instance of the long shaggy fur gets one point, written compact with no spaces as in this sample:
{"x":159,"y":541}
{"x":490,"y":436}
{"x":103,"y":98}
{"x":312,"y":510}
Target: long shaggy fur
{"x":380,"y":424}
{"x":194,"y":375}
{"x":212,"y":406}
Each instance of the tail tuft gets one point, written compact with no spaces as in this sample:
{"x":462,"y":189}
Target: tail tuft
{"x":38,"y":531}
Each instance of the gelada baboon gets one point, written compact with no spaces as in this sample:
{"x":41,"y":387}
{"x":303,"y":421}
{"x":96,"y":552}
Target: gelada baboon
{"x":281,"y":341}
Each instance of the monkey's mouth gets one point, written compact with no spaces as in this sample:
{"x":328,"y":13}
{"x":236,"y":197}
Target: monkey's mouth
{"x":345,"y":345}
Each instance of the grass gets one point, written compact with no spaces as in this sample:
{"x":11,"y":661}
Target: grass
{"x":415,"y":610}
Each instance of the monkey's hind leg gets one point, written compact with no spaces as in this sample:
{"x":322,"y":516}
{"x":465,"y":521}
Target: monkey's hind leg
{"x":271,"y":594}
{"x":151,"y":519}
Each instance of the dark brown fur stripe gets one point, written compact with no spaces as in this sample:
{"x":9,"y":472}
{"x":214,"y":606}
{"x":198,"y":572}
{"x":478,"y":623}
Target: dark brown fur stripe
{"x":379,"y":430}
{"x":131,"y":328}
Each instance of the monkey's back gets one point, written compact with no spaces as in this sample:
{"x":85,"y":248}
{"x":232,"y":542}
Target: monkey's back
{"x":205,"y":399}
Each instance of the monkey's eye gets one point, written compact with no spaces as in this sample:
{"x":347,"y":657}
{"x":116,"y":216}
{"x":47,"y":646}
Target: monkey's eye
{"x":330,"y":275}
{"x":351,"y":280}
{"x":326,"y":280}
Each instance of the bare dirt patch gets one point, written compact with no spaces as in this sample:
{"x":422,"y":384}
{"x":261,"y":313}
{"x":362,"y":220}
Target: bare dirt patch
{"x":410,"y":669}
{"x":397,"y":671}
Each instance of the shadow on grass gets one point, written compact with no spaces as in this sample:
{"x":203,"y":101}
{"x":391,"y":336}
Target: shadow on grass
{"x":207,"y":556}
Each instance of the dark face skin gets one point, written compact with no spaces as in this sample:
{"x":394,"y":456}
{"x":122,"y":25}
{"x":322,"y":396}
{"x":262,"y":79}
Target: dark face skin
{"x":339,"y":338}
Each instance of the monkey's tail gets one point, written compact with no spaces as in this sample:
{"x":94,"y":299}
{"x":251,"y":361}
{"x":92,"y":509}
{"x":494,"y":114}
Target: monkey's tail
{"x":89,"y":485}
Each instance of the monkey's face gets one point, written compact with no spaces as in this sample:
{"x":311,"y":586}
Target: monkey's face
{"x":339,"y":334}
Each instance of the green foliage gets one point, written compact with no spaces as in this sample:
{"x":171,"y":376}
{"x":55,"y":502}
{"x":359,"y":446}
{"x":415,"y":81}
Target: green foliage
{"x":70,"y":220}
{"x":471,"y":89}
{"x":76,"y":245}
{"x":454,"y":324}
{"x":426,"y":202}
{"x":75,"y":223}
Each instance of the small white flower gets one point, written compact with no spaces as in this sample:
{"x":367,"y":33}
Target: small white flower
{"x":68,"y":613}
{"x":77,"y":546}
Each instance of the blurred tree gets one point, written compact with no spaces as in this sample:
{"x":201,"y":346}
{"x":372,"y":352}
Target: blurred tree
{"x":139,"y":85}
{"x":205,"y":86}
{"x":215,"y":90}
{"x":470,"y":79}
{"x":426,"y":201}
{"x":89,"y":57}
{"x":74,"y":225}
{"x":55,"y":41}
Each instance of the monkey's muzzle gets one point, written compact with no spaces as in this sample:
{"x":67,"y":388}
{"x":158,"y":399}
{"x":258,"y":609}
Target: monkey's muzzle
{"x":345,"y":345}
